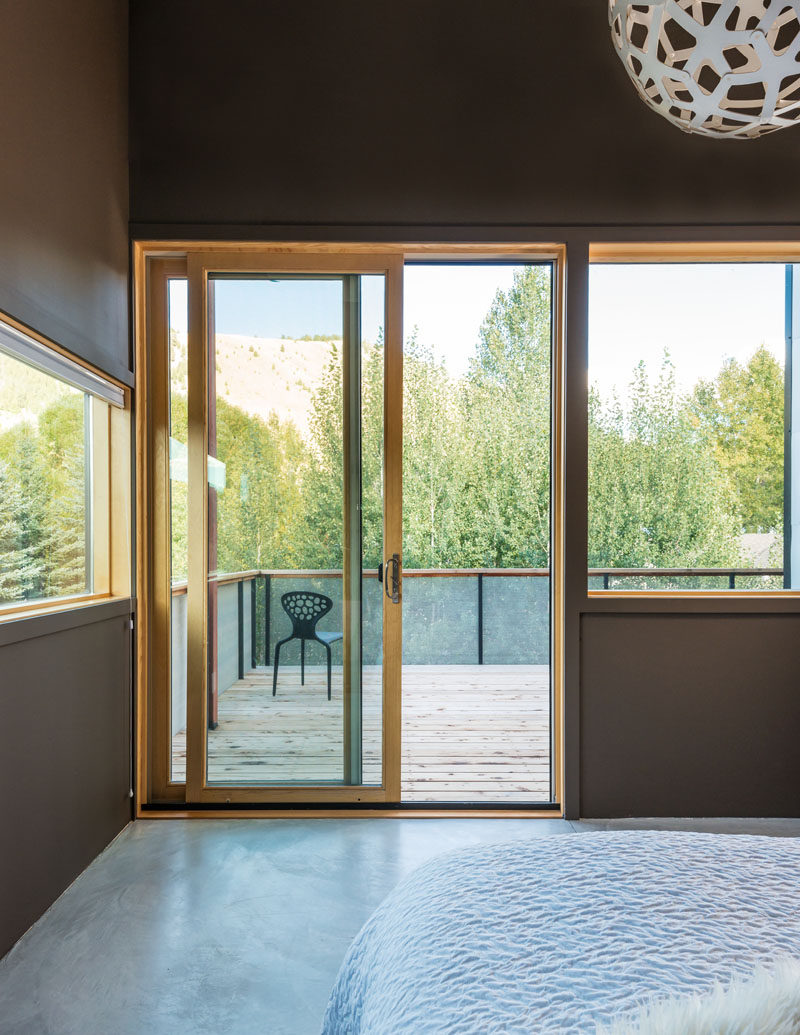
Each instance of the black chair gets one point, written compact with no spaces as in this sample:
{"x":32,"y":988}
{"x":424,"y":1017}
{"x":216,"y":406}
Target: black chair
{"x":305,"y":609}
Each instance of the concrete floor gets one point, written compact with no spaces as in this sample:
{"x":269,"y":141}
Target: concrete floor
{"x":234,"y":926}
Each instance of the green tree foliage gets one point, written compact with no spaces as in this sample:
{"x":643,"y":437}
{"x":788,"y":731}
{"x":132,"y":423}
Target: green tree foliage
{"x":507,"y":420}
{"x":434,"y":460}
{"x":319,"y":524}
{"x":16,"y":570}
{"x":61,"y":438}
{"x":740,"y":415}
{"x":675,"y":477}
{"x":43,"y":505}
{"x":178,"y":488}
{"x":657,"y":498}
{"x":476,"y":470}
{"x":259,"y":513}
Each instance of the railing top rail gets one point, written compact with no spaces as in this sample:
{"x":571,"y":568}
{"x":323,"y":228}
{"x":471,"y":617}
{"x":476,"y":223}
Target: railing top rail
{"x":666,"y":572}
{"x":464,"y":573}
{"x":223,"y":578}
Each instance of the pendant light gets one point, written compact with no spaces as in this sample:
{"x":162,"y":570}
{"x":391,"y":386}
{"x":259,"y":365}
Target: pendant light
{"x":720,"y":68}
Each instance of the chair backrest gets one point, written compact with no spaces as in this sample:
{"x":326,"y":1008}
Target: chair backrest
{"x":305,"y":608}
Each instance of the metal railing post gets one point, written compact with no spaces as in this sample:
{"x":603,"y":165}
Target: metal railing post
{"x":253,"y":658}
{"x":732,"y":580}
{"x":267,"y":631}
{"x":605,"y":580}
{"x":240,"y":607}
{"x":480,"y":618}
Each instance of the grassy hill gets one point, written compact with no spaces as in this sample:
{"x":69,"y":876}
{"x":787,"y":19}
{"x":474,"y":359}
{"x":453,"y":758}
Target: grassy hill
{"x":264,"y":375}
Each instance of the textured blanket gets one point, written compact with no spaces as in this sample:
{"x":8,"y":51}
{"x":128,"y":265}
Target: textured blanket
{"x":560,"y":934}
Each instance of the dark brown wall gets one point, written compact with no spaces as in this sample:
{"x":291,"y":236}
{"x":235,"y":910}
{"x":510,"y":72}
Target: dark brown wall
{"x":65,"y":693}
{"x":425,"y":111}
{"x":63,"y":174}
{"x":690,"y":715}
{"x":64,"y":754}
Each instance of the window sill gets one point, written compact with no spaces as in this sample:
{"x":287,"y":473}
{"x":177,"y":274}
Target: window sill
{"x":58,"y":617}
{"x":686,"y":601}
{"x":11,"y":612}
{"x":692,"y":594}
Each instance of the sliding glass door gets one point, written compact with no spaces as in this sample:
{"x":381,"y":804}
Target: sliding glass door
{"x":306,"y":494}
{"x":288,"y":489}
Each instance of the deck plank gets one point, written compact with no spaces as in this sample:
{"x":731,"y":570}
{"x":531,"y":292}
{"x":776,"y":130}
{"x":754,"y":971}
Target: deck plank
{"x":470,"y":732}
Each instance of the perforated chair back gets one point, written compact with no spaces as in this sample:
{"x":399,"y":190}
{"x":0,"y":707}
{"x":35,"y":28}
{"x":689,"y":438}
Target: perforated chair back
{"x":305,"y":608}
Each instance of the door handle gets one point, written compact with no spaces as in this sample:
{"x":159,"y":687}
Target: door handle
{"x":391,"y":583}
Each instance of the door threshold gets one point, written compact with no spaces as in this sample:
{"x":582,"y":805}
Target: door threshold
{"x":402,"y":810}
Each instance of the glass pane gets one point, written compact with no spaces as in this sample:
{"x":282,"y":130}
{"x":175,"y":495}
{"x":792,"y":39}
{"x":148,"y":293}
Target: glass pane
{"x":285,"y":679}
{"x":686,"y":426}
{"x":372,"y":305}
{"x":476,"y":502}
{"x":178,"y":486}
{"x":45,"y":486}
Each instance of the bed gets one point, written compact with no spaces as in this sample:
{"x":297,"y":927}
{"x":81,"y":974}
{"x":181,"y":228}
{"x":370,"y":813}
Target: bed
{"x":557,"y":934}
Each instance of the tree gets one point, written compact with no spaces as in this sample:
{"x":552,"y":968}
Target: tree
{"x":506,"y":513}
{"x":434,"y":473}
{"x":258,"y":511}
{"x":36,"y":534}
{"x":656,"y":496}
{"x":740,"y":414}
{"x":45,"y":496}
{"x":62,"y":441}
{"x":15,"y":567}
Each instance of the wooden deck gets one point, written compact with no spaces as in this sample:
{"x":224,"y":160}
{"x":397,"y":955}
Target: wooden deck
{"x":470,"y":732}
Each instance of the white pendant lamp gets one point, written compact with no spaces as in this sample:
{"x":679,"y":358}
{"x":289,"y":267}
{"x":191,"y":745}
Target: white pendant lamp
{"x":722,"y":68}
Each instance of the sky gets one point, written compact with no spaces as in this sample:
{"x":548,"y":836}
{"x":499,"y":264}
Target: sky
{"x":447,"y":304}
{"x":702,"y":313}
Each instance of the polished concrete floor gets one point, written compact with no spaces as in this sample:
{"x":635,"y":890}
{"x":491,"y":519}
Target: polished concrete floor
{"x":233,"y":927}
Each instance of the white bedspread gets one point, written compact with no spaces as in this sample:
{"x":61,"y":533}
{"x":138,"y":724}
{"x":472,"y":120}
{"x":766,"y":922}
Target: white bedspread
{"x":559,"y":933}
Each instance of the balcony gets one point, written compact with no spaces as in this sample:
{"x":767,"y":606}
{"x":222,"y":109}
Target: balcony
{"x":476,"y":679}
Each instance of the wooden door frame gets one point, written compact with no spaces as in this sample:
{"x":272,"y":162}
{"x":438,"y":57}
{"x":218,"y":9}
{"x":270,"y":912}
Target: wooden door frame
{"x":200,"y":265}
{"x":194,"y":260}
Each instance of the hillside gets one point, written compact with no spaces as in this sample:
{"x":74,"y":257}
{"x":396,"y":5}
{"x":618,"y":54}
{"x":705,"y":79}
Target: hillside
{"x":264,"y":375}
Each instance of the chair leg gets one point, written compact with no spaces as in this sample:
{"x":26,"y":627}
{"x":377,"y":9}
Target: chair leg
{"x":302,"y":662}
{"x":278,"y":646}
{"x":328,"y":649}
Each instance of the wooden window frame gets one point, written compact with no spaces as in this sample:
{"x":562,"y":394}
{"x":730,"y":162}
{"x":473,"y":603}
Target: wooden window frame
{"x":111,"y":496}
{"x":714,"y":252}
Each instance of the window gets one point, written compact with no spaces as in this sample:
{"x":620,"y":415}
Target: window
{"x":55,"y":443}
{"x":687,"y":431}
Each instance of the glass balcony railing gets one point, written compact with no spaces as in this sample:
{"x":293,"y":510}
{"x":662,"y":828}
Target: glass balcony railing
{"x":451,"y":616}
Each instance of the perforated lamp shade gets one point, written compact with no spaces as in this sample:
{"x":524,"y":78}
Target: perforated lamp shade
{"x":721,"y":68}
